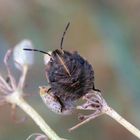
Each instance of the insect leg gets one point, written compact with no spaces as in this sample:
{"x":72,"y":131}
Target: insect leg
{"x":95,"y":89}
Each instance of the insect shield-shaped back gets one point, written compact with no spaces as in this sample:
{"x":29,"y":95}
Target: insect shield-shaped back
{"x":69,"y":77}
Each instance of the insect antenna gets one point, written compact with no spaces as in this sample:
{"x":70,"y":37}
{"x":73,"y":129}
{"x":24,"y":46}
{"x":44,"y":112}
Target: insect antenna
{"x":36,"y":50}
{"x":62,"y":39}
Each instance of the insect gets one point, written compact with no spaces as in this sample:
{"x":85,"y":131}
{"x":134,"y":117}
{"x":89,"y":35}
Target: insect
{"x":69,"y":76}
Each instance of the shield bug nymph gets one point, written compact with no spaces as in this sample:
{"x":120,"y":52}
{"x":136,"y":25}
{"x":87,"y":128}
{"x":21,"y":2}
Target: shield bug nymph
{"x":69,"y":77}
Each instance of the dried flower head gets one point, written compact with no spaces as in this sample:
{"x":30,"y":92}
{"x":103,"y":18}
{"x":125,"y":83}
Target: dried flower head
{"x":10,"y":87}
{"x":21,"y":57}
{"x":93,"y":102}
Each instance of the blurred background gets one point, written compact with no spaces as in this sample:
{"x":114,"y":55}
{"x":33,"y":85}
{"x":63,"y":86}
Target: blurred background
{"x":106,"y":33}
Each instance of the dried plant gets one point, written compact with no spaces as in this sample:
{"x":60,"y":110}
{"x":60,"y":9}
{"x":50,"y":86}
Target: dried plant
{"x":96,"y":103}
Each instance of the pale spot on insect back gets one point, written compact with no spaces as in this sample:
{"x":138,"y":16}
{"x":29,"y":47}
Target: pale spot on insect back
{"x":47,"y":58}
{"x":43,"y":90}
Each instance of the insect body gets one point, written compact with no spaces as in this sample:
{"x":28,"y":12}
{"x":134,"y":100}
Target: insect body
{"x":69,"y":76}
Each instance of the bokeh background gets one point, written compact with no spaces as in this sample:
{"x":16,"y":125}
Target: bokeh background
{"x":106,"y":33}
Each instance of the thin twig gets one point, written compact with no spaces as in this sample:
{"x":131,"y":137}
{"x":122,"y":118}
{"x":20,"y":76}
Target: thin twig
{"x":10,"y":75}
{"x":15,"y":98}
{"x":93,"y":116}
{"x":5,"y":84}
{"x":113,"y":114}
{"x":23,"y":76}
{"x":3,"y":91}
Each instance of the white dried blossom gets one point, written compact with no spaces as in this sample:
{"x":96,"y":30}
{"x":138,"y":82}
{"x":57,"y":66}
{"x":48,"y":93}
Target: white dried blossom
{"x":22,"y":57}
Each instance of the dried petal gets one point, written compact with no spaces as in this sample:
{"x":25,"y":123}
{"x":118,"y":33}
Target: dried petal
{"x":22,"y":57}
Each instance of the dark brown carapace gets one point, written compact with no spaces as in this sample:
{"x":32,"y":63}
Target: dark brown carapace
{"x":69,"y":75}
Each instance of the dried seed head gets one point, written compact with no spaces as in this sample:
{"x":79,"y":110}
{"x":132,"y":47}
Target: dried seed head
{"x":23,"y":57}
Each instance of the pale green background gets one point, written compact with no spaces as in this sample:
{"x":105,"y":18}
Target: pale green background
{"x":105,"y":32}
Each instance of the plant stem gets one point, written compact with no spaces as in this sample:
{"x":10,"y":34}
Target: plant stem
{"x":18,"y":100}
{"x":113,"y":114}
{"x":23,"y":77}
